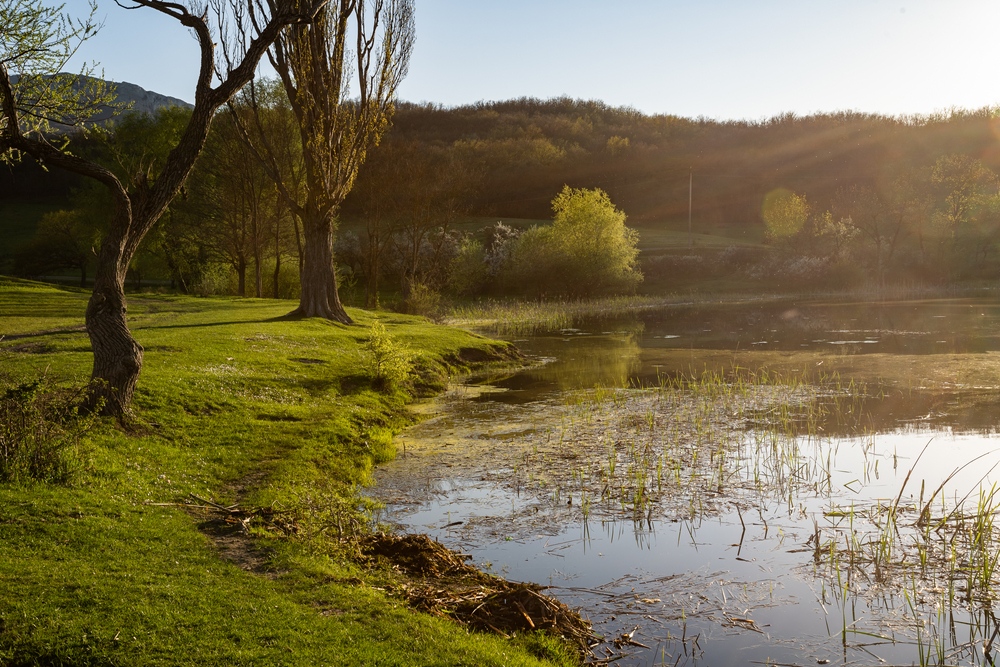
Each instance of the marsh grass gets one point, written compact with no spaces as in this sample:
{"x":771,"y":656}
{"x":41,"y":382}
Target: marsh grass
{"x":519,"y":318}
{"x":701,"y":444}
{"x":953,"y":551}
{"x":688,"y":446}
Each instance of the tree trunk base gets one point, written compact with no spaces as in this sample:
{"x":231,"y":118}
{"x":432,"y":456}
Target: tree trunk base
{"x":337,"y":315}
{"x":117,"y":356}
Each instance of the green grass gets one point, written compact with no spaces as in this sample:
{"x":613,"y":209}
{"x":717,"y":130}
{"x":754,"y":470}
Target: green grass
{"x":671,"y":236}
{"x":235,"y":403}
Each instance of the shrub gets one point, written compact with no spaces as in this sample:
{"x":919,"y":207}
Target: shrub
{"x":469,"y":270}
{"x":677,"y":268}
{"x":216,"y":279}
{"x":41,"y":432}
{"x":501,"y":240}
{"x":734,"y":257}
{"x":588,"y":250}
{"x":288,"y":278}
{"x":424,"y":301}
{"x":389,"y":362}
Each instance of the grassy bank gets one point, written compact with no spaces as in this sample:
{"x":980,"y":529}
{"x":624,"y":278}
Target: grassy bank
{"x":235,"y":405}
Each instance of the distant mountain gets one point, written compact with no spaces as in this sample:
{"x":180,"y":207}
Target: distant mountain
{"x":142,"y":100}
{"x":146,"y":100}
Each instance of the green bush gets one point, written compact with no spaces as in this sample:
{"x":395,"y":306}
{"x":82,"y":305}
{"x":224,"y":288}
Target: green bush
{"x":288,"y":278}
{"x":41,"y":432}
{"x":216,"y":279}
{"x":389,"y":362}
{"x":586,"y":251}
{"x":468,"y":270}
{"x":425,"y":301}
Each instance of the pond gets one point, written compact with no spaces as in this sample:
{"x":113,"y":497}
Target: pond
{"x":791,"y":483}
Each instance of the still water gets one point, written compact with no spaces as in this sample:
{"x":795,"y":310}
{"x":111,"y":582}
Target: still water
{"x":804,"y":502}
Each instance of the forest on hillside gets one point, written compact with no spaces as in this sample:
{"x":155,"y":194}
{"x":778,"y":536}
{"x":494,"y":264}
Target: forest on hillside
{"x":527,"y":149}
{"x":841,"y":198}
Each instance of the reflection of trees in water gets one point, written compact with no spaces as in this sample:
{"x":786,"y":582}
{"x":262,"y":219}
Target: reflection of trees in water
{"x":584,"y":361}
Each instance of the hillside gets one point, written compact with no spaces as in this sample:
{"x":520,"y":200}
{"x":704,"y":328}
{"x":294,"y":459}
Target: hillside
{"x":525,"y":150}
{"x":142,"y":100}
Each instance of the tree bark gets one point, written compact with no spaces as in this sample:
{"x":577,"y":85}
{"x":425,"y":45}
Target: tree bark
{"x":117,"y":356}
{"x":318,"y":278}
{"x":241,"y":277}
{"x":258,"y":269}
{"x":277,"y":256}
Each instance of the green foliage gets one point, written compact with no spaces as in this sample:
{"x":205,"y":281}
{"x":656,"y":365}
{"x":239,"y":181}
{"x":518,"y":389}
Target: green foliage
{"x":424,"y":301}
{"x":618,"y":146}
{"x":587,"y":250}
{"x":469,"y":270}
{"x":389,"y":362}
{"x":965,"y":190}
{"x":41,"y":432}
{"x":326,"y":513}
{"x":140,"y":142}
{"x":533,"y":263}
{"x":62,"y":241}
{"x":784,"y":213}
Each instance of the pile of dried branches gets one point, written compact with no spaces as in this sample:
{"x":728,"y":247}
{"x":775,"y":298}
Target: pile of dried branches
{"x":491,"y":604}
{"x":239,"y":519}
{"x":421,"y":556}
{"x":436,"y":579}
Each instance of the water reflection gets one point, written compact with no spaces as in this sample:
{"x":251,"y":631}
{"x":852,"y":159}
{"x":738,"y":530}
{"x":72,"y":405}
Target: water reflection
{"x":577,"y":358}
{"x":956,"y":326}
{"x":767,"y":547}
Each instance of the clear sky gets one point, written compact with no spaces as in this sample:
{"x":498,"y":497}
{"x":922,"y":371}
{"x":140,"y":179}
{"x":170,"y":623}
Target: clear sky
{"x":722,"y":59}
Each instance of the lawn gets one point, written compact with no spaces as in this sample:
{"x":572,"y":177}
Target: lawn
{"x":236,"y":404}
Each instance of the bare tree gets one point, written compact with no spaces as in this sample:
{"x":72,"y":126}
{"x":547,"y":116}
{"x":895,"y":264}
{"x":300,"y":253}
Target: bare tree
{"x":382,"y":198}
{"x":337,"y":125}
{"x":235,"y":203}
{"x":138,"y":204}
{"x":435,"y":193}
{"x":880,"y":219}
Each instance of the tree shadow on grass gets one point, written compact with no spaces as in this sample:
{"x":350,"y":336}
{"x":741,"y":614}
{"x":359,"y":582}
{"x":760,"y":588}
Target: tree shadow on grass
{"x":268,"y":320}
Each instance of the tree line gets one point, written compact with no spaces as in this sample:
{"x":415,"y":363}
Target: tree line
{"x":436,"y":165}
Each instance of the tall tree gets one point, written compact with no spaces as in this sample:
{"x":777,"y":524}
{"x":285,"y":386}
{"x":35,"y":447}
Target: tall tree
{"x":36,"y":38}
{"x":337,"y":125}
{"x":879,"y":217}
{"x":432,"y":195}
{"x":380,"y":195}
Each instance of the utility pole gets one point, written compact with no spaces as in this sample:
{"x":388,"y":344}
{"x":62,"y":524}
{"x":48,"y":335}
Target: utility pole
{"x":690,"y":190}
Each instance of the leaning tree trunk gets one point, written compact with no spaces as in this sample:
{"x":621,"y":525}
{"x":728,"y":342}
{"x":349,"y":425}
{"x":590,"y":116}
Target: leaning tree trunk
{"x":319,"y":296}
{"x":117,"y":356}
